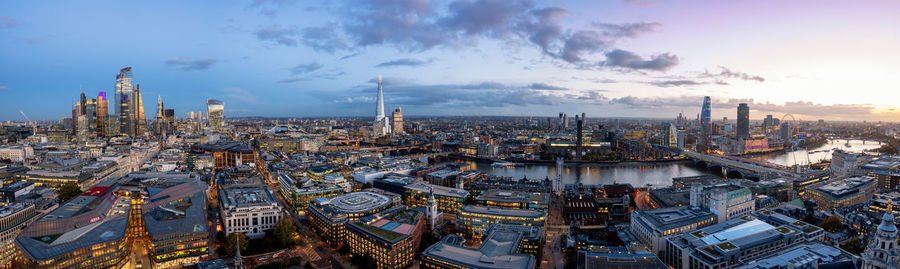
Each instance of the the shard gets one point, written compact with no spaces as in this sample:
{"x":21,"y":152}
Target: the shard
{"x":381,"y":125}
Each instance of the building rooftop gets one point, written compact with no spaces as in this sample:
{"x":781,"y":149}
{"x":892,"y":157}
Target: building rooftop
{"x":437,"y":189}
{"x":672,"y":217}
{"x":495,"y":252}
{"x":180,"y":209}
{"x":508,"y":212}
{"x":392,"y":225}
{"x":842,"y":187}
{"x":802,"y":256}
{"x":510,"y":196}
{"x":234,"y":198}
{"x":360,"y":201}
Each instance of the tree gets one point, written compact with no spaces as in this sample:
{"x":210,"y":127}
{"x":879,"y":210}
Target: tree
{"x":230,"y":243}
{"x":68,"y":191}
{"x":284,"y":232}
{"x":364,"y":261}
{"x":832,"y":224}
{"x":853,"y":246}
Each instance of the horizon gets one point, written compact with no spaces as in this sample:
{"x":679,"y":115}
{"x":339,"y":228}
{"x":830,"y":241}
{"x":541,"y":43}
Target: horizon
{"x":640,"y":59}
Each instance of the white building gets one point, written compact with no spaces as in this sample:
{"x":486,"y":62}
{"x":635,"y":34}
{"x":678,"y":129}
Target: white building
{"x":16,"y":153}
{"x":843,"y":164}
{"x":727,"y":201}
{"x":13,"y":219}
{"x":883,"y":251}
{"x":251,"y":211}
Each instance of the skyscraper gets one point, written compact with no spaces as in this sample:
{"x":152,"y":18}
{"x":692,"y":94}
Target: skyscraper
{"x":397,"y":121}
{"x":124,"y":95}
{"x":215,"y":110}
{"x":743,"y":121}
{"x":579,"y":137}
{"x":102,"y":112}
{"x":160,"y":124}
{"x":140,"y":119}
{"x":706,"y":113}
{"x":382,"y":125}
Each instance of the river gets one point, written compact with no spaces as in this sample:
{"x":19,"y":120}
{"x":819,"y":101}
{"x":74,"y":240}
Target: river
{"x":658,"y":174}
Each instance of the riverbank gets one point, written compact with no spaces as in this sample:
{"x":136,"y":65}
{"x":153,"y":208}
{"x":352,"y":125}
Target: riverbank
{"x":580,"y":163}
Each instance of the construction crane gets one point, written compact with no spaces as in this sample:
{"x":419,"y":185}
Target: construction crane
{"x":29,"y":121}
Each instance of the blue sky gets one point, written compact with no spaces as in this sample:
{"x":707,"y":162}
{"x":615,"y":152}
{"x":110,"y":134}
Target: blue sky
{"x":814,"y":59}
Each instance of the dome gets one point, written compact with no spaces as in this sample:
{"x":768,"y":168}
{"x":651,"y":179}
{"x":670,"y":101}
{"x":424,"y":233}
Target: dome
{"x":887,"y":223}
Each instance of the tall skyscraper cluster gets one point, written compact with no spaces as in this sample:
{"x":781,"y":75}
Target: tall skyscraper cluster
{"x":129,"y":117}
{"x":89,"y":116}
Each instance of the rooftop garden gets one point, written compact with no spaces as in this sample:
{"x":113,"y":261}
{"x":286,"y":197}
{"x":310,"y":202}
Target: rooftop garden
{"x":783,"y":230}
{"x":47,"y":239}
{"x":406,"y":216}
{"x":699,"y":234}
{"x":726,"y":246}
{"x":389,"y":235}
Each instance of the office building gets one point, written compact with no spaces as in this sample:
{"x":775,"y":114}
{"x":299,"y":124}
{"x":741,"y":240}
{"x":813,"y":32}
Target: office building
{"x":448,"y":200}
{"x":473,"y":221}
{"x":887,"y":179}
{"x":502,"y":248}
{"x":513,"y":199}
{"x":391,"y":237}
{"x":841,"y":192}
{"x":140,"y":119}
{"x":728,"y":244}
{"x":653,"y":226}
{"x":805,"y":255}
{"x":397,"y":121}
{"x":727,"y":201}
{"x":173,"y":216}
{"x":843,"y":164}
{"x":251,"y":211}
{"x":882,"y":251}
{"x":215,"y":110}
{"x":89,"y":231}
{"x":13,"y":219}
{"x":9,"y":192}
{"x":382,"y":125}
{"x":883,"y":203}
{"x":299,"y":194}
{"x":102,"y":114}
{"x":706,"y":113}
{"x":743,"y":121}
{"x":328,"y":216}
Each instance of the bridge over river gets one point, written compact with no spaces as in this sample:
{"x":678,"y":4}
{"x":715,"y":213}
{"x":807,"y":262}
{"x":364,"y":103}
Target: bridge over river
{"x":740,"y":167}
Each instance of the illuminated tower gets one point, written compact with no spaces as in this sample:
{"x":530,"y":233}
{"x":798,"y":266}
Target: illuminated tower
{"x":124,"y":90}
{"x":140,"y":119}
{"x":102,"y":112}
{"x":397,"y":121}
{"x":382,"y":125}
{"x":743,"y":121}
{"x":706,"y":113}
{"x":215,"y":110}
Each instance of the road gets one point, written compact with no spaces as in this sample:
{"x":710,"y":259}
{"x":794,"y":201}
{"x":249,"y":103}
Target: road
{"x":642,"y":200}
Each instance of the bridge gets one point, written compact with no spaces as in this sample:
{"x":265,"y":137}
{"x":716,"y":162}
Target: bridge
{"x":740,"y":167}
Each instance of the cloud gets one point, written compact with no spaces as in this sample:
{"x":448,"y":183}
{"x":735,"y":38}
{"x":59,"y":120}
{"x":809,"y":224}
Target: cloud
{"x":420,"y":25}
{"x":675,"y":83}
{"x":403,"y":62}
{"x":544,"y":86}
{"x":282,"y":36}
{"x":239,"y":95}
{"x":629,"y":30}
{"x":187,"y":63}
{"x":728,"y":73}
{"x":800,"y":109}
{"x":3,"y":88}
{"x":628,"y":60}
{"x":305,"y":68}
{"x":8,"y":22}
{"x":322,"y":39}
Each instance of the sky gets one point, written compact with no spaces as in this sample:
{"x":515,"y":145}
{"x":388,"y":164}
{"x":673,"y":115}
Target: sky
{"x":832,"y":60}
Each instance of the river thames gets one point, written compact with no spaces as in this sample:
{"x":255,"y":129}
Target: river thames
{"x":661,"y":174}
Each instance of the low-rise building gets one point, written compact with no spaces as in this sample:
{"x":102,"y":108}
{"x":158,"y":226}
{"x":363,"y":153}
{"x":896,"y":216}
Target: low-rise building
{"x":13,"y":218}
{"x":328,"y":216}
{"x":727,"y":201}
{"x":449,"y":200}
{"x":251,"y":211}
{"x":391,"y":237}
{"x":473,"y":221}
{"x":842,"y":192}
{"x":806,"y":255}
{"x":653,"y":226}
{"x":514,"y":199}
{"x":500,"y":249}
{"x":728,"y":244}
{"x":299,"y":194}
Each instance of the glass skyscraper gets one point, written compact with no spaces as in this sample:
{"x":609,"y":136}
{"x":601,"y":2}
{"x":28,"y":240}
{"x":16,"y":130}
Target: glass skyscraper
{"x":124,"y":97}
{"x":215,"y":110}
{"x":743,"y":121}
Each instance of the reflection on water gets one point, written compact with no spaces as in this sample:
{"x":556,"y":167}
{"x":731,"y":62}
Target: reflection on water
{"x":655,"y":175}
{"x":803,"y":156}
{"x":660,"y":174}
